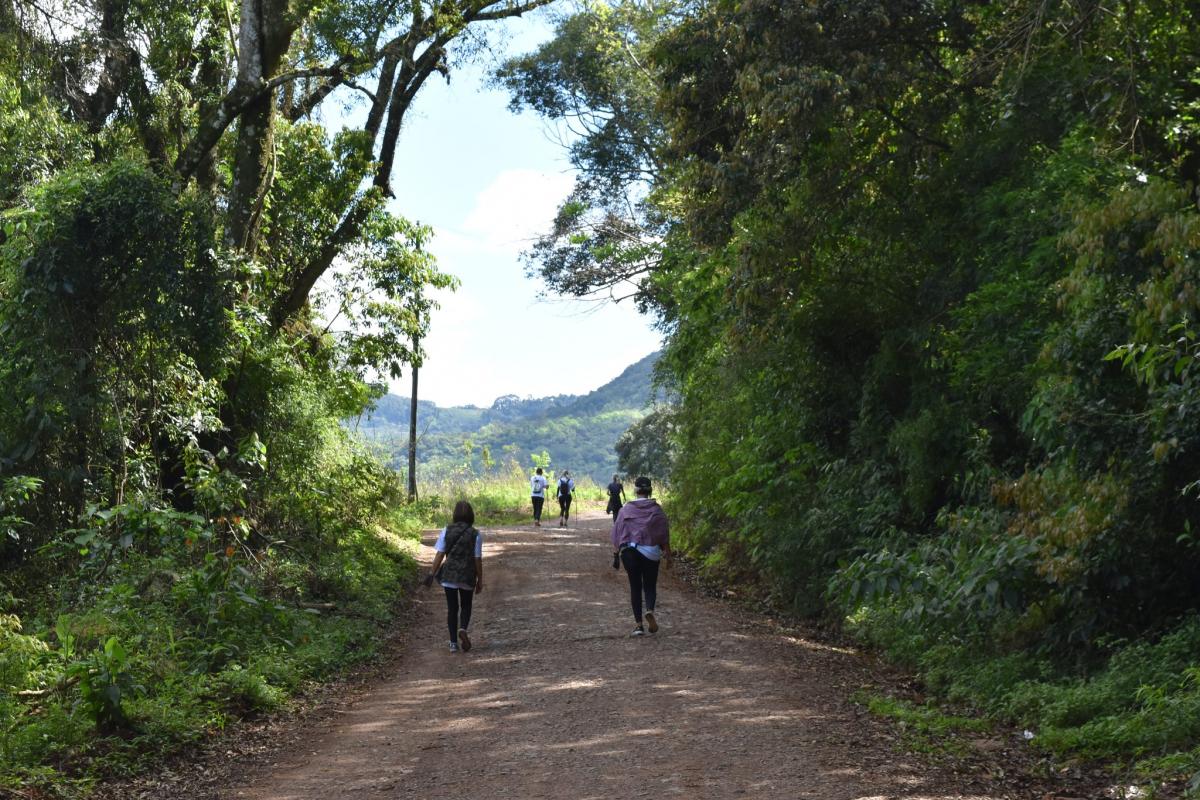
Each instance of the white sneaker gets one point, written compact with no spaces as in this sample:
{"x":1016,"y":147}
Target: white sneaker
{"x":638,"y":631}
{"x":651,"y":622}
{"x":454,"y":647}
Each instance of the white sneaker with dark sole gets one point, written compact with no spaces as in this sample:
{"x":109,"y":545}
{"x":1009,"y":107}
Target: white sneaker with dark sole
{"x":651,"y":623}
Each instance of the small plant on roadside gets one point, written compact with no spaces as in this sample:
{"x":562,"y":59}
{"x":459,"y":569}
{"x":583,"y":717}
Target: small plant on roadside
{"x":105,"y":683}
{"x":925,"y":728}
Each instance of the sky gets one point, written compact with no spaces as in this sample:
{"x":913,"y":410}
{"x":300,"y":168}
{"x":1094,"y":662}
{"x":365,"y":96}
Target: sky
{"x":487,"y":182}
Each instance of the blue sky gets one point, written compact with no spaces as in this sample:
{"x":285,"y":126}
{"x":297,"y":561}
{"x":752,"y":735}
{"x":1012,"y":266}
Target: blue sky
{"x":488,"y":181}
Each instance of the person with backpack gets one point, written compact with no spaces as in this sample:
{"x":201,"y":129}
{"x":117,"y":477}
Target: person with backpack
{"x":537,"y":490}
{"x":641,"y":539}
{"x":566,"y":493}
{"x":458,"y":566}
{"x":616,"y":497}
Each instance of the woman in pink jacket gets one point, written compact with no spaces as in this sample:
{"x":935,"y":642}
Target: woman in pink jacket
{"x":641,"y":539}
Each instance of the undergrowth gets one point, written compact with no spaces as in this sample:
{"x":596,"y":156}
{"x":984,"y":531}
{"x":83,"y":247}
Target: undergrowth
{"x":116,"y":675}
{"x":1132,"y":704}
{"x":167,"y":626}
{"x":925,"y":728}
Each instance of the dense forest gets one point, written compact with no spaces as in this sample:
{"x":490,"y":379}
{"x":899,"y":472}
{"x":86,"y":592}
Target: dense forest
{"x":576,"y":432}
{"x":927,"y":273}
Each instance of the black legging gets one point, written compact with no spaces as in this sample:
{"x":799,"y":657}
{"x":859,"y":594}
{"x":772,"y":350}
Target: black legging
{"x":564,"y":506}
{"x":454,"y":619}
{"x":643,"y":578}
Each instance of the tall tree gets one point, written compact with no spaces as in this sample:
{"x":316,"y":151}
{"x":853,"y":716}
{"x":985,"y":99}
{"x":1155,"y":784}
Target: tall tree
{"x":218,"y":106}
{"x":594,"y":79}
{"x":113,"y":65}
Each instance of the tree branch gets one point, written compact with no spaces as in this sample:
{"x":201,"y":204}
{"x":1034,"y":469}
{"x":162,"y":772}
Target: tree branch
{"x":413,"y":75}
{"x":297,"y":294}
{"x":911,"y":131}
{"x":233,"y":104}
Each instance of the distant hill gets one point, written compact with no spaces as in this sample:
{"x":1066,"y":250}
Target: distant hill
{"x":578,"y":431}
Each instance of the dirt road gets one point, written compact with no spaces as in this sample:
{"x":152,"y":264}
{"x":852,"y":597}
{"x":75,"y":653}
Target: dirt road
{"x":557,"y":701}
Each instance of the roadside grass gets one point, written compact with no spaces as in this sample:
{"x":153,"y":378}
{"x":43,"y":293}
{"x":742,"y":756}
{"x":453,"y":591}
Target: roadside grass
{"x":925,"y":728}
{"x":166,"y":652}
{"x":503,"y":499}
{"x":1135,"y":707}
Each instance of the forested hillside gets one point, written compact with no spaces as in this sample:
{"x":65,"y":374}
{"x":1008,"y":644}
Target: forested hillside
{"x":928,"y":277}
{"x":577,"y":431}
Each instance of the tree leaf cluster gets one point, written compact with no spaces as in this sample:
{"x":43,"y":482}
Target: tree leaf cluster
{"x":927,"y":276}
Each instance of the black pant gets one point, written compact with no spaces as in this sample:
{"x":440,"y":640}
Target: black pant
{"x":564,"y":506}
{"x":456,"y":598}
{"x":537,"y":507}
{"x":643,"y":578}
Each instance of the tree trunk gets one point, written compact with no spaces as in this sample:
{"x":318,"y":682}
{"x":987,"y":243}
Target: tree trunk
{"x":264,"y":36}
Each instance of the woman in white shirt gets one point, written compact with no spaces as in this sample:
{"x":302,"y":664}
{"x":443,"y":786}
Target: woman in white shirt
{"x":537,"y":491}
{"x":460,"y":558}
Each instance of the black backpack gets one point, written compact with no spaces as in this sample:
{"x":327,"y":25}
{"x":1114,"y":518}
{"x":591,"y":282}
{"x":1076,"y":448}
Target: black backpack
{"x":459,"y":566}
{"x":564,"y":487}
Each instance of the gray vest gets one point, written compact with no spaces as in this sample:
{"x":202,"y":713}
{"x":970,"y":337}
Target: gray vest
{"x":459,"y":566}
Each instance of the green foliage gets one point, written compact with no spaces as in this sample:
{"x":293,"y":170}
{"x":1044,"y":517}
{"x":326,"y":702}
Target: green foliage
{"x":109,"y":329}
{"x":37,"y":141}
{"x":645,"y":448}
{"x":925,"y":728}
{"x":20,"y":655}
{"x":173,"y":646}
{"x":105,"y":683}
{"x":927,"y":274}
{"x":15,"y":492}
{"x":593,"y":77}
{"x":191,"y":488}
{"x":540,"y":460}
{"x":196,"y":285}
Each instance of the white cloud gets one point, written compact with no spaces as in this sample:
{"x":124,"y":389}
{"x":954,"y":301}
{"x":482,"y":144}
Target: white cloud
{"x":452,"y":333}
{"x":516,"y":207}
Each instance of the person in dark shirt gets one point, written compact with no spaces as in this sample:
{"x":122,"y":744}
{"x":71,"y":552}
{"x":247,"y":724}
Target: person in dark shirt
{"x":616,"y":497}
{"x":565,"y":493}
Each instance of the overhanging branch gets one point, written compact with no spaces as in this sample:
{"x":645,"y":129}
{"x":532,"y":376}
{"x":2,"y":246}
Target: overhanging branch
{"x":238,"y":100}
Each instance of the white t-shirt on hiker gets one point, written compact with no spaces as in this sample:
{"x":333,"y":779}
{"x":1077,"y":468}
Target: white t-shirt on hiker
{"x":537,"y":485}
{"x":440,"y":547}
{"x":650,"y":551}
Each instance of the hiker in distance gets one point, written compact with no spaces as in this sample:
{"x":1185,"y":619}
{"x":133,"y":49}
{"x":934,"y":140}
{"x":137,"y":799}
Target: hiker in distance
{"x":641,"y":539}
{"x":616,"y":497}
{"x":458,"y":566}
{"x":566,"y":493}
{"x":537,"y":490}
